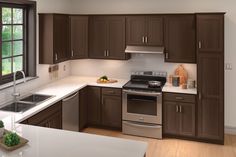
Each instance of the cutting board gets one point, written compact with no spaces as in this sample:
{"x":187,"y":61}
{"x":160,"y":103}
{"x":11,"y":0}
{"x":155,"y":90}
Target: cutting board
{"x":182,"y":73}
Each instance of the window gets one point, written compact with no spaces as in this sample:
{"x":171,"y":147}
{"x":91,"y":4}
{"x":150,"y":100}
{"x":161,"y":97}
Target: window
{"x":18,"y":38}
{"x":13,"y":38}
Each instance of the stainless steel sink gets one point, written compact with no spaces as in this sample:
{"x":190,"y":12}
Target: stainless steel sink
{"x":35,"y":98}
{"x":26,"y":103}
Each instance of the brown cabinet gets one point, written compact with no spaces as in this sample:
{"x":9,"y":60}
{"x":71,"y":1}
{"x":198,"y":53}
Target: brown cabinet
{"x":179,"y":115}
{"x":144,"y":30}
{"x":94,"y":105}
{"x":111,"y":107}
{"x":107,"y":37}
{"x":83,"y":109}
{"x":180,"y":40}
{"x":78,"y":37}
{"x":210,"y":73}
{"x":53,"y":38}
{"x":50,"y":117}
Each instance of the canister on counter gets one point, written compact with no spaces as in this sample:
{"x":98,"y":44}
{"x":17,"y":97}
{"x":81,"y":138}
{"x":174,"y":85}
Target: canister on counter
{"x":175,"y":81}
{"x":191,"y":83}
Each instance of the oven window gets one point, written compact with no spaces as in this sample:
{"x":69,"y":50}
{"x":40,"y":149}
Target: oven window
{"x":142,"y":105}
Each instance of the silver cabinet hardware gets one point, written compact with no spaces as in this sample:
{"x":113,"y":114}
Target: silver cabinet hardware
{"x":108,"y":53}
{"x":180,"y":109}
{"x":56,"y":58}
{"x":167,"y":56}
{"x":199,"y":44}
{"x":105,"y":53}
{"x":146,"y":39}
{"x":199,"y":96}
{"x":177,"y":108}
{"x":72,"y":53}
{"x":179,"y":98}
{"x":143,"y":39}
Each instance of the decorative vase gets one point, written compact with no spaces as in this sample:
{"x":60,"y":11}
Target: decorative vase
{"x":1,"y":132}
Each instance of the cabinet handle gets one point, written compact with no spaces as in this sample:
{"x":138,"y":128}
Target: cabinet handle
{"x":199,"y":44}
{"x":180,"y":109}
{"x":179,"y":98}
{"x":177,"y":108}
{"x":199,"y":96}
{"x":146,"y":39}
{"x":108,"y":53}
{"x":56,"y":56}
{"x":167,"y":55}
{"x":143,"y":39}
{"x":105,"y":53}
{"x":72,"y":53}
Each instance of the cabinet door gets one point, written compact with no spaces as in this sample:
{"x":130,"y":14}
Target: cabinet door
{"x":79,"y":37}
{"x":61,"y":38}
{"x":155,"y":31}
{"x":83,"y":110}
{"x":187,"y":119}
{"x":98,"y":37}
{"x":180,"y":38}
{"x":111,"y":111}
{"x":211,"y":96}
{"x":210,"y":32}
{"x":135,"y":30}
{"x":55,"y":121}
{"x":94,"y":105}
{"x":171,"y":118}
{"x":116,"y":37}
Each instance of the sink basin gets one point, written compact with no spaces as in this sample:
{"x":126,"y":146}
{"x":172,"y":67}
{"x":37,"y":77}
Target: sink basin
{"x":26,"y":103}
{"x":35,"y":98}
{"x":17,"y":107}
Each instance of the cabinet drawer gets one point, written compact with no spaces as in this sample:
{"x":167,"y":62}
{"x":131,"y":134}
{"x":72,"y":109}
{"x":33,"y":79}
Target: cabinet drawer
{"x":39,"y":117}
{"x":111,"y":91}
{"x":179,"y":97}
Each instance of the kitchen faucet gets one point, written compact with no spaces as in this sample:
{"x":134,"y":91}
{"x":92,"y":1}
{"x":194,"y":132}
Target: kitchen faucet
{"x":15,"y":94}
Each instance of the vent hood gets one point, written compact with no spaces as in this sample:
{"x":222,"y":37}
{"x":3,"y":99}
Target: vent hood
{"x":144,"y":49}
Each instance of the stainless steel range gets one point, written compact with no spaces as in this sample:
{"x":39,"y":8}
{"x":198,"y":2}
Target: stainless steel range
{"x":142,"y":104}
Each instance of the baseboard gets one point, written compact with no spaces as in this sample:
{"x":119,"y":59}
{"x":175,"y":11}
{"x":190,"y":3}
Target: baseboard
{"x":230,"y":130}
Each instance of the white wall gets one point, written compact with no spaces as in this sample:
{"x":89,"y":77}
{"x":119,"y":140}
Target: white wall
{"x":163,"y":6}
{"x":43,"y":6}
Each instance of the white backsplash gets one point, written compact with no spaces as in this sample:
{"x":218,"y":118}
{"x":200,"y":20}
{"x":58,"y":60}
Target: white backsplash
{"x":123,"y":69}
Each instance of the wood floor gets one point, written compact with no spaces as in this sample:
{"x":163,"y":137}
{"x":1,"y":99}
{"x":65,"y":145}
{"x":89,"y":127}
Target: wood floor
{"x":177,"y":148}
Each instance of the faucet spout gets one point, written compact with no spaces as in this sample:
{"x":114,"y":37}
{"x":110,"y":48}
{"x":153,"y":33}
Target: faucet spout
{"x":15,"y":94}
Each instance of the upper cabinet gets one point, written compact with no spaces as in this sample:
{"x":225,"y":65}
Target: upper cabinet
{"x":53,"y":38}
{"x":78,"y":37}
{"x":107,"y":37}
{"x":180,"y":40}
{"x":144,"y":30}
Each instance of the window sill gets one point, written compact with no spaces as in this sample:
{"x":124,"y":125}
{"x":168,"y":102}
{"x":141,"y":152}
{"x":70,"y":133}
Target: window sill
{"x":20,"y":81}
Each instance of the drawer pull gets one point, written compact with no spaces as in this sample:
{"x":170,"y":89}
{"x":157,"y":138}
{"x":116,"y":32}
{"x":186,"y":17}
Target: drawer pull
{"x":179,"y":98}
{"x":180,"y":109}
{"x":177,"y":108}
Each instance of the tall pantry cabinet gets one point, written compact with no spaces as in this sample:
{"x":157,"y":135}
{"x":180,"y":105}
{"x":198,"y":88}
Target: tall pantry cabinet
{"x":210,"y":77}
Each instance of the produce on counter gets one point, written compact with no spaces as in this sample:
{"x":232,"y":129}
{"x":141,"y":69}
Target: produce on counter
{"x":1,"y":128}
{"x":104,"y":79}
{"x":11,"y":139}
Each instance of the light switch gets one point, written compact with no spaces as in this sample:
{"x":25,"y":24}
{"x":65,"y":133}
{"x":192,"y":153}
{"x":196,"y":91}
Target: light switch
{"x":228,"y":66}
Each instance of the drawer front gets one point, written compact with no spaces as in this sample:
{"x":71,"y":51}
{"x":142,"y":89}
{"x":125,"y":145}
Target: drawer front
{"x":179,"y":97}
{"x":39,"y":117}
{"x":111,"y":91}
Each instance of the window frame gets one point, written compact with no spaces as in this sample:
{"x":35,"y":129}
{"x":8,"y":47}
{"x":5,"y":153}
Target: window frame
{"x":29,"y":38}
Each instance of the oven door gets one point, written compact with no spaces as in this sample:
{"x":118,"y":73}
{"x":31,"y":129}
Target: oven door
{"x":142,"y":106}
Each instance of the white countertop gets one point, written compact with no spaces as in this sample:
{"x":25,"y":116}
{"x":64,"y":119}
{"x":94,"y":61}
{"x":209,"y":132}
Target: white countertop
{"x":45,"y":142}
{"x":172,"y":89}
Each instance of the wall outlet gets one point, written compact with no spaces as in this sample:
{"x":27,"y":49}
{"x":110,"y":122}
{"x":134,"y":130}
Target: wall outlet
{"x":228,"y":66}
{"x":53,"y":68}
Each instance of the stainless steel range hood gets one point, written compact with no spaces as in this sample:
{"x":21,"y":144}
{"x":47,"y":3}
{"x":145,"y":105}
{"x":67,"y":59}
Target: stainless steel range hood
{"x":144,"y":49}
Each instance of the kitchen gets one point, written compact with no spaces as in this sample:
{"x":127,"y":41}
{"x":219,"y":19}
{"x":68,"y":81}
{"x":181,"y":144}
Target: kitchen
{"x":89,"y":70}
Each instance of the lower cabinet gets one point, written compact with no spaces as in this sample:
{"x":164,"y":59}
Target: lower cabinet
{"x":83,"y":110}
{"x":50,"y":117}
{"x":179,"y":115}
{"x":104,"y":107}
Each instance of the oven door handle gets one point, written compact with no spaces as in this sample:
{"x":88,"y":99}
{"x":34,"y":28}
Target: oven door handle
{"x":142,"y":126}
{"x":141,"y":93}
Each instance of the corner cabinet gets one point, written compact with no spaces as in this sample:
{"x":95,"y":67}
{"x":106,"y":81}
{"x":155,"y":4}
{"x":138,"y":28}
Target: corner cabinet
{"x":53,"y":38}
{"x":210,"y":76}
{"x":179,"y":114}
{"x":180,"y":39}
{"x":107,"y":37}
{"x":144,"y":30}
{"x":78,"y":37}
